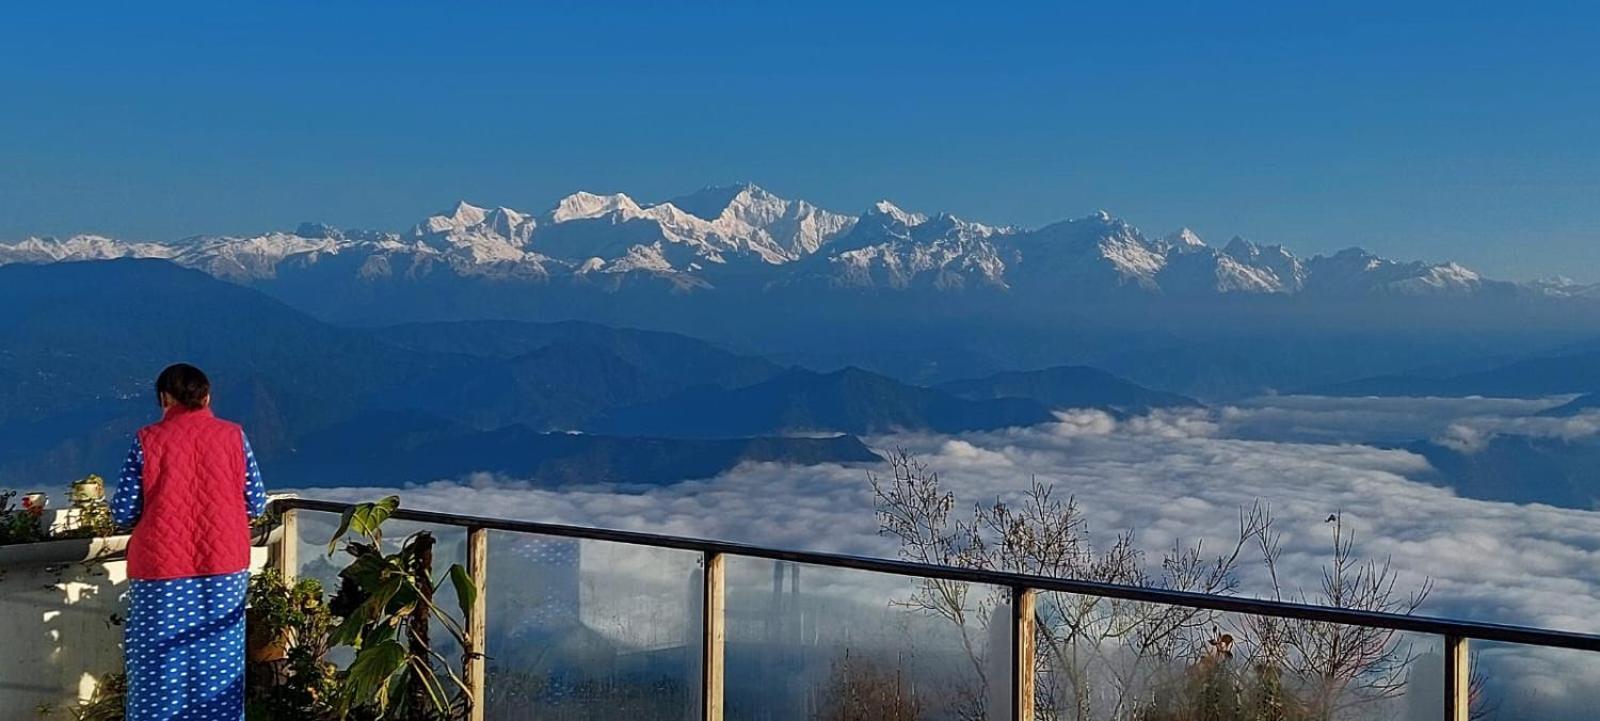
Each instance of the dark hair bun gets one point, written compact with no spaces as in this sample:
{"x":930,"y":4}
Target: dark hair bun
{"x":185,"y":384}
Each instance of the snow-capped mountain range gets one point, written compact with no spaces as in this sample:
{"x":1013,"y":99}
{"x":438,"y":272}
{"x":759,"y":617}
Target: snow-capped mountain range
{"x":700,"y":241}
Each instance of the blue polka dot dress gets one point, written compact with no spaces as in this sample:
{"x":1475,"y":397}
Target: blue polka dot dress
{"x":183,"y":643}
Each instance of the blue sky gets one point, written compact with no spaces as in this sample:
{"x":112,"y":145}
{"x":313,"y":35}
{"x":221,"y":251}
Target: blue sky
{"x":1434,"y":131}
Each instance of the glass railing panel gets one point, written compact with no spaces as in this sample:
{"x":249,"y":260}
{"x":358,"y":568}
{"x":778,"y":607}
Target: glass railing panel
{"x":1514,"y":682}
{"x":582,"y":630}
{"x":1105,"y":660}
{"x":807,"y":643}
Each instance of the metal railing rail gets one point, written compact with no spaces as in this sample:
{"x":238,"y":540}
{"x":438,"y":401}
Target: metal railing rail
{"x":1023,"y":588}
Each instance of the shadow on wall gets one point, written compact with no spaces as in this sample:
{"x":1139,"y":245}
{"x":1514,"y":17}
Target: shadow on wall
{"x":60,"y":623}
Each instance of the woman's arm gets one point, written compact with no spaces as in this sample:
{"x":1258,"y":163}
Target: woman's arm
{"x":255,"y":493}
{"x":128,"y":503}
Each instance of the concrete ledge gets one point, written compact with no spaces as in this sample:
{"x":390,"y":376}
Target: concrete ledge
{"x":75,"y":550}
{"x":92,"y":550}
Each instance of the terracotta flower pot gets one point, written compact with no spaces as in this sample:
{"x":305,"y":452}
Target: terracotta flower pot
{"x":261,"y":645}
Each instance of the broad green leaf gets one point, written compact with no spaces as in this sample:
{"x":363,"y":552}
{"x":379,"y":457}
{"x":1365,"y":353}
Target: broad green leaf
{"x":344,"y":527}
{"x":369,"y":517}
{"x":367,"y":569}
{"x":348,"y":633}
{"x":380,"y":634}
{"x":376,"y":605}
{"x":371,"y":670}
{"x":466,"y":590}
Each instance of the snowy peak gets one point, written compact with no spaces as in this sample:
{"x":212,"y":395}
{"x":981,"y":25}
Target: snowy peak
{"x":464,"y":215}
{"x":1183,"y":240}
{"x":886,"y":209}
{"x":1279,"y":269}
{"x":468,"y":218}
{"x":78,"y":247}
{"x":1241,"y":249}
{"x":582,"y":205}
{"x":1095,"y":252}
{"x":884,"y":250}
{"x":1560,"y":286}
{"x":1357,"y":270}
{"x":470,"y":238}
{"x":1208,"y":270}
{"x":745,"y":201}
{"x":760,"y":219}
{"x":754,"y":207}
{"x":700,"y":240}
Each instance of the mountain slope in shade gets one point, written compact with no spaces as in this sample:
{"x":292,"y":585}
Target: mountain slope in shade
{"x":1581,"y":404}
{"x":1575,"y":372}
{"x":80,"y":360}
{"x":675,"y":354}
{"x":417,"y":448}
{"x":77,"y":365}
{"x":1519,"y":469}
{"x":799,"y":401}
{"x":559,"y":376}
{"x":1070,"y":387}
{"x":564,"y":385}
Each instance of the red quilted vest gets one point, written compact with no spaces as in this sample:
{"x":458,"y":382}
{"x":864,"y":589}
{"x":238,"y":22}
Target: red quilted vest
{"x":193,"y":521}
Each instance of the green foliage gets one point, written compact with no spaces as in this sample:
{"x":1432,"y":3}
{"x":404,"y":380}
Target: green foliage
{"x":365,"y":519}
{"x":386,"y":601}
{"x":93,"y":513}
{"x":288,"y":628}
{"x":105,"y":705}
{"x":18,"y":524}
{"x":1218,"y":688}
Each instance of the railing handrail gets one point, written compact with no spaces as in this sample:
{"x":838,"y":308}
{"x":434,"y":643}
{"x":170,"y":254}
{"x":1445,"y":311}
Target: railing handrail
{"x":1016,"y":581}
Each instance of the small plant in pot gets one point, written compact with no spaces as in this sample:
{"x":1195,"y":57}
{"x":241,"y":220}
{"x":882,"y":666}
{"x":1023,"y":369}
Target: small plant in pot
{"x":286,"y":642}
{"x":24,"y":521}
{"x":280,"y":616}
{"x":90,"y":515}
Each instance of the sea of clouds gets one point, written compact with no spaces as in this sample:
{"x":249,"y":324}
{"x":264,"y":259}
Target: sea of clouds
{"x":1181,"y":477}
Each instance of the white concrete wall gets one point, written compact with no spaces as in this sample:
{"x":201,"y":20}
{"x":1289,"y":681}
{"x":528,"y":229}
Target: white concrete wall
{"x":59,"y":630}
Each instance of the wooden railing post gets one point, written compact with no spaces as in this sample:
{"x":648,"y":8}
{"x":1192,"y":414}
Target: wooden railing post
{"x":478,"y":621}
{"x":714,"y":624}
{"x":1022,"y":648}
{"x":1457,"y":679}
{"x":286,"y":551}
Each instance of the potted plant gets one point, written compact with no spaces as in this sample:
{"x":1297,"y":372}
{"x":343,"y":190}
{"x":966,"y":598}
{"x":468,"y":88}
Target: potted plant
{"x":270,"y":617}
{"x":90,"y":515}
{"x":286,"y":644}
{"x":21,"y":522}
{"x":82,"y":533}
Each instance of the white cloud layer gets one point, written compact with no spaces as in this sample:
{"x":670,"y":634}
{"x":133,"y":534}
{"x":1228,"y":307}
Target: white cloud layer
{"x":1181,"y":477}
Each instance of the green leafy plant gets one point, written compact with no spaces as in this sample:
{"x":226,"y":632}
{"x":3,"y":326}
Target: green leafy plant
{"x":1218,"y":687}
{"x":19,"y":523}
{"x":287,"y":639}
{"x":93,"y":518}
{"x":106,"y":704}
{"x":387,"y":604}
{"x":25,"y":523}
